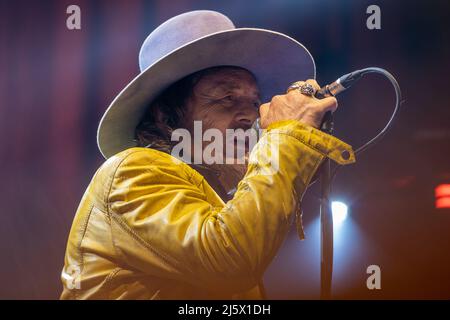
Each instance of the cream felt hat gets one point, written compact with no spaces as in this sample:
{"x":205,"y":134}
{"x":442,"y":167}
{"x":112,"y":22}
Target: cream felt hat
{"x":188,"y":43}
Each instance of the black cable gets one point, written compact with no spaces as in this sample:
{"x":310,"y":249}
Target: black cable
{"x":346,"y":81}
{"x":326,"y":218}
{"x":398,"y":103}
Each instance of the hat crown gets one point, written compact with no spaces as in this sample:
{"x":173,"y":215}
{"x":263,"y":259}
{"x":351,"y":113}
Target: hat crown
{"x":179,"y":31}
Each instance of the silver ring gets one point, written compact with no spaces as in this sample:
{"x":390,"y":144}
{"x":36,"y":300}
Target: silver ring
{"x":294,"y":86}
{"x":307,"y":89}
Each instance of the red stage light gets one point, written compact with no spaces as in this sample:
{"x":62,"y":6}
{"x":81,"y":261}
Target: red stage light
{"x":442,"y":193}
{"x":442,"y":190}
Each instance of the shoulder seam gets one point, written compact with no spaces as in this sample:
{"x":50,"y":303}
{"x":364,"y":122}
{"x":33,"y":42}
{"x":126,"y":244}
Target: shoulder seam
{"x":113,"y":177}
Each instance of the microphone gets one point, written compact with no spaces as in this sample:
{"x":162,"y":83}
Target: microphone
{"x":333,"y":89}
{"x":341,"y":84}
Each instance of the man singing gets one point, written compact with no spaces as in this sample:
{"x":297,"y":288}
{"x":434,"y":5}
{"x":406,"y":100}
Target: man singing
{"x":151,"y":226}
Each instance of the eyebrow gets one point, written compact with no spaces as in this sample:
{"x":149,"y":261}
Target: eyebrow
{"x":229,"y":87}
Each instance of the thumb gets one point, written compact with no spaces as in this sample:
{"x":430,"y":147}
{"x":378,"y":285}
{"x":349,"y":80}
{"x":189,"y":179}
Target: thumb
{"x":328,"y":104}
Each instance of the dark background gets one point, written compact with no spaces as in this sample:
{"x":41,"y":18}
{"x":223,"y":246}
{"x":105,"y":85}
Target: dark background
{"x":55,"y":84}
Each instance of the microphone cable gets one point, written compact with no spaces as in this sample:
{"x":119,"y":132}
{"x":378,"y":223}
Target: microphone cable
{"x":345,"y":82}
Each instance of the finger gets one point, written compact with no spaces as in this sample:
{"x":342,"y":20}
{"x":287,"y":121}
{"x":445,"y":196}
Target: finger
{"x":296,"y":95}
{"x":263,"y":110}
{"x":327,"y":104}
{"x":313,"y":83}
{"x":298,"y":83}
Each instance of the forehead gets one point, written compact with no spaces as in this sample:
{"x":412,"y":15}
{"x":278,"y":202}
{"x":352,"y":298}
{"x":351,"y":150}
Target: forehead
{"x":228,"y":79}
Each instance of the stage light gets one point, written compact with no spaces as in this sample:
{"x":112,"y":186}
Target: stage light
{"x":443,"y":203}
{"x":442,"y":190}
{"x":442,"y":193}
{"x":339,"y":211}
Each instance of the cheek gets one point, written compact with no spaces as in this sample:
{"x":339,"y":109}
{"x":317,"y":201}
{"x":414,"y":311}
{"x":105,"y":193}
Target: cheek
{"x":216,"y":119}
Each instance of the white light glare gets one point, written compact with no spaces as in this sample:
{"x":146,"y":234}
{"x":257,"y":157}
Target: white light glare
{"x":339,"y":211}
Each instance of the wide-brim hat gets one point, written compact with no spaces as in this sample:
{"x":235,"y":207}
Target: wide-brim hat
{"x":188,"y":43}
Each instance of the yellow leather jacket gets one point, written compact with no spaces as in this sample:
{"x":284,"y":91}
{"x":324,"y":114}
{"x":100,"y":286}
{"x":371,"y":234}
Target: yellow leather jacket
{"x":151,"y":227}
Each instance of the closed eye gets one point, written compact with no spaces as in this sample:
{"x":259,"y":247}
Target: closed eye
{"x":227,"y":100}
{"x":230,"y":100}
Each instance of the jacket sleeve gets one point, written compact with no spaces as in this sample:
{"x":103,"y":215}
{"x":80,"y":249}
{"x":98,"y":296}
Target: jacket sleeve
{"x":176,"y":234}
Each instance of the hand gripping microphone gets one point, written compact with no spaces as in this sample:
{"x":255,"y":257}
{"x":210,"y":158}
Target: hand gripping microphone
{"x":333,"y":89}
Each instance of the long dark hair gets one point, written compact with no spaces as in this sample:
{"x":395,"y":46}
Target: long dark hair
{"x":164,"y":114}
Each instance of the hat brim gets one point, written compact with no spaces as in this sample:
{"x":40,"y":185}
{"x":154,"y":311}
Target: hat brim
{"x":275,"y":59}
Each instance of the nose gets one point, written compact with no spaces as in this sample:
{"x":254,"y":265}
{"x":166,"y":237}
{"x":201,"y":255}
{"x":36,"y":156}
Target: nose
{"x":246,"y":116}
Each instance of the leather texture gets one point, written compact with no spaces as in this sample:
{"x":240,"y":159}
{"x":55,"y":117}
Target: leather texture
{"x":151,"y":227}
